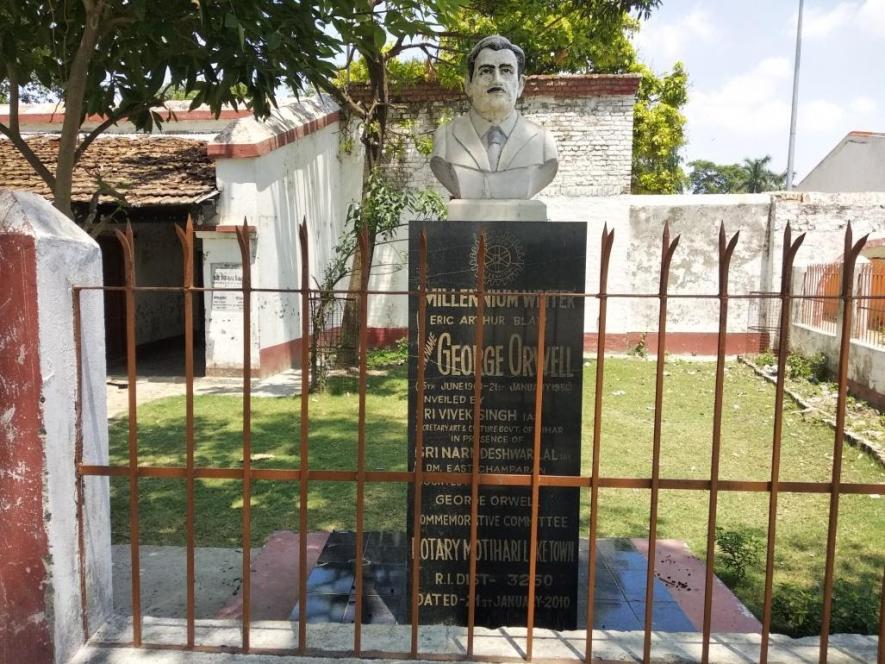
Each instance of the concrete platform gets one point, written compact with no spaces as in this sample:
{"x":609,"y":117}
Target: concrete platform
{"x":436,"y":640}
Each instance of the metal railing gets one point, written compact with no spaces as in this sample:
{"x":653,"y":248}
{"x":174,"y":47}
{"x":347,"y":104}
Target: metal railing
{"x":819,"y":307}
{"x":306,"y":474}
{"x":869,"y":314}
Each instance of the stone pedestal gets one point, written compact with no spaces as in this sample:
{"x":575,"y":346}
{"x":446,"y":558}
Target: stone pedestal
{"x":500,"y":209}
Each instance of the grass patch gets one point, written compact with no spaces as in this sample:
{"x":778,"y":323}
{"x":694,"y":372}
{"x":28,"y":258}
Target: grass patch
{"x":626,"y":452}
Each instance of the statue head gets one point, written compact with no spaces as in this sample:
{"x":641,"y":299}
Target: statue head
{"x":495,"y":77}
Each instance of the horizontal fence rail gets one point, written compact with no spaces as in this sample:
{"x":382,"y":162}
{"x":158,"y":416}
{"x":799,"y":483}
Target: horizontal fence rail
{"x":825,"y":290}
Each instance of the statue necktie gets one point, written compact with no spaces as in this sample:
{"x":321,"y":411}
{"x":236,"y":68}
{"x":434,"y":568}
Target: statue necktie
{"x":495,"y":139}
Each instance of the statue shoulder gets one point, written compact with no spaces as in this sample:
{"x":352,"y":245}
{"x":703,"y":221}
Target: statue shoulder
{"x":536,"y":129}
{"x":445,"y":134}
{"x":533,"y":127}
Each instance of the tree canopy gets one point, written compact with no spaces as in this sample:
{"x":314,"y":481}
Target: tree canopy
{"x":120,"y":60}
{"x":751,"y":176}
{"x":576,"y":36}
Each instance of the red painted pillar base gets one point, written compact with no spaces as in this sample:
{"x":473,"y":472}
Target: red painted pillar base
{"x":24,"y":625}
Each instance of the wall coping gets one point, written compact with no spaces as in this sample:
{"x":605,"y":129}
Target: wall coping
{"x":247,"y":137}
{"x":558,"y":85}
{"x":54,"y":113}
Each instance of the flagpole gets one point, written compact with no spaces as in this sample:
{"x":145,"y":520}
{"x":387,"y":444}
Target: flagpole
{"x":792,"y":147}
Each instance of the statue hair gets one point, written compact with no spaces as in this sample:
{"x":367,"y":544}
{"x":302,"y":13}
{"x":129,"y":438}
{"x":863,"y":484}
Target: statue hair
{"x":496,"y":43}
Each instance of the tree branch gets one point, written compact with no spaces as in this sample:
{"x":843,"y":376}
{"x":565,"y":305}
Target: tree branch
{"x":29,"y":155}
{"x":425,"y":46}
{"x":111,"y":119}
{"x":395,"y":49}
{"x":343,"y":98}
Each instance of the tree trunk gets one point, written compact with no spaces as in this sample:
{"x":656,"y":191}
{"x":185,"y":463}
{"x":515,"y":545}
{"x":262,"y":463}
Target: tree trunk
{"x":374,"y":137}
{"x":75,"y":90}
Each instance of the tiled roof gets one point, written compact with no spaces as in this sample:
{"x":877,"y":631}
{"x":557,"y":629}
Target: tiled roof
{"x":147,"y":170}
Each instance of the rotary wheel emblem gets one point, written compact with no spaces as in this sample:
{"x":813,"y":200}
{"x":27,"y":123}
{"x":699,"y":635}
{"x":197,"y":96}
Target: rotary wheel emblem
{"x":505,"y":259}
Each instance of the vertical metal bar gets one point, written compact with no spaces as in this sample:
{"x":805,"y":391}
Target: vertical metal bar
{"x":881,"y":645}
{"x":536,"y":474}
{"x":608,"y":238}
{"x":725,"y":253}
{"x":850,"y":256}
{"x":78,"y":461}
{"x":243,"y":239}
{"x":477,"y":425}
{"x":786,"y":298}
{"x":361,"y":443}
{"x":667,"y":249}
{"x":127,"y":241}
{"x":303,"y":442}
{"x":186,"y":238}
{"x":418,"y":482}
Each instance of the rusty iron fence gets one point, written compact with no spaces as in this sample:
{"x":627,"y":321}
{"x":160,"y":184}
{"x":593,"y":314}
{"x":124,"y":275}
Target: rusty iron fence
{"x":819,"y":307}
{"x":305,"y":474}
{"x":763,"y":316}
{"x":869,"y":314}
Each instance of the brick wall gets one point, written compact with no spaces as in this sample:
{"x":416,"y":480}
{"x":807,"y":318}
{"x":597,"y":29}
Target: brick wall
{"x":591,"y":117}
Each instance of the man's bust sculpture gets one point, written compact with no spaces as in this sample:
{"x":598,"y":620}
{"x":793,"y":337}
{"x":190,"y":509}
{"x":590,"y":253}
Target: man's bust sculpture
{"x":492,"y":152}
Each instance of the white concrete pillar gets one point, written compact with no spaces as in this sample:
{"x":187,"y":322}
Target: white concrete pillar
{"x":42,"y":255}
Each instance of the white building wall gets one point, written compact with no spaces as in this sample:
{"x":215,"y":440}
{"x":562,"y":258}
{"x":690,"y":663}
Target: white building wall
{"x":857,"y":163}
{"x":308,"y":178}
{"x":638,"y":222}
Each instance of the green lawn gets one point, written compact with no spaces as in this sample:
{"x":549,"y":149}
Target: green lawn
{"x":626,"y":452}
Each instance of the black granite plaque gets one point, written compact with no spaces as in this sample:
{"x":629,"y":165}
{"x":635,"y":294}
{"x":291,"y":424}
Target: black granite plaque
{"x":525,"y":257}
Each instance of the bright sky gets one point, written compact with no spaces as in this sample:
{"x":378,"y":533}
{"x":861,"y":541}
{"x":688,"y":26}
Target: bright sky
{"x":739,"y":58}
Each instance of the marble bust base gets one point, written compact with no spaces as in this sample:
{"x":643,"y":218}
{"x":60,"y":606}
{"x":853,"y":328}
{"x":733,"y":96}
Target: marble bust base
{"x":496,"y":209}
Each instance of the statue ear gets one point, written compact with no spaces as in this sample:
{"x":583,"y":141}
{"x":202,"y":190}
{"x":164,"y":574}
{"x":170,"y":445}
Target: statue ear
{"x":521,"y":85}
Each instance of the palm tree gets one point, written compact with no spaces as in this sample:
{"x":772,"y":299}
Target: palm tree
{"x":757,"y":177}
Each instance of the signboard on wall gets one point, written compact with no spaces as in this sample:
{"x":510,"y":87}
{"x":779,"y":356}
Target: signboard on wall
{"x":227,"y":275}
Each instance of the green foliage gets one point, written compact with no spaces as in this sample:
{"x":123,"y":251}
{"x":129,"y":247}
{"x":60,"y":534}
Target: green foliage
{"x":739,"y":550}
{"x":659,"y":131}
{"x":757,"y":177}
{"x":706,"y":177}
{"x":751,"y":176}
{"x":220,"y":52}
{"x":401,"y":73}
{"x":796,"y":610}
{"x":766,"y":359}
{"x":807,"y":367}
{"x":574,"y":36}
{"x":121,"y":60}
{"x":389,"y":356}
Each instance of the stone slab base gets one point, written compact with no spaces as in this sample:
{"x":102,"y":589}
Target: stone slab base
{"x":327,"y":640}
{"x":505,"y":209}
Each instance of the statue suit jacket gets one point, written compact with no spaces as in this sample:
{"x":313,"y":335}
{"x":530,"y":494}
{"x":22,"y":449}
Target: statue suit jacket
{"x":460,"y":161}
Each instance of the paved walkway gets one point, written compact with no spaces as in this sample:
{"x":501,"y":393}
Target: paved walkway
{"x":151,"y":388}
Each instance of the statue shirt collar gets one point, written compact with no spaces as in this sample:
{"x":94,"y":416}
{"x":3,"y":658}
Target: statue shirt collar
{"x":481,"y":125}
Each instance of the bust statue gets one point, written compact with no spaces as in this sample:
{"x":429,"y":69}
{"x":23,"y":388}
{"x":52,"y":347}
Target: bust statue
{"x":492,"y":152}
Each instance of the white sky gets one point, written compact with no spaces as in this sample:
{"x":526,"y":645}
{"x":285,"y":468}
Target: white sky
{"x":739,"y":58}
